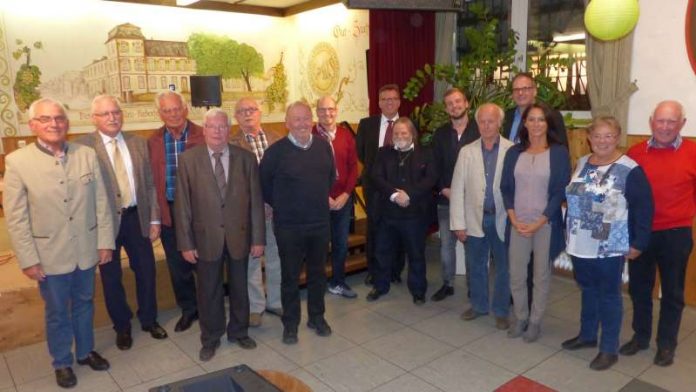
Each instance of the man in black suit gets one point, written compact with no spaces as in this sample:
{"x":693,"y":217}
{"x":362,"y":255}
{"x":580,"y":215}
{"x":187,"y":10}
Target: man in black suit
{"x":373,"y":133}
{"x":524,"y":93}
{"x":447,"y":141}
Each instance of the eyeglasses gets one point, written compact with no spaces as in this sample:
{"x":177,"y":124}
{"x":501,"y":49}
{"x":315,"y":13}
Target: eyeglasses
{"x":246,"y":111}
{"x":219,"y":128}
{"x":48,"y":119}
{"x":522,"y":89}
{"x":114,"y":113}
{"x":326,"y":110}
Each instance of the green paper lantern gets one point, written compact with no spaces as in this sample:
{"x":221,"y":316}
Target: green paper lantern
{"x":611,"y":19}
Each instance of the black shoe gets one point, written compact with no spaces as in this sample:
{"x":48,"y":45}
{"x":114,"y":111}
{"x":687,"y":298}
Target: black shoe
{"x":369,"y":279}
{"x":290,"y":335}
{"x":124,"y":340}
{"x":632,"y":347}
{"x":576,"y":344}
{"x":320,"y":326}
{"x":244,"y":342}
{"x":373,"y":295}
{"x":156,"y":331}
{"x":95,"y":361}
{"x":419,"y":299}
{"x":65,"y":378}
{"x":603,"y":361}
{"x":396,"y":279}
{"x":664,"y":357}
{"x":207,"y":353}
{"x":185,"y":322}
{"x":444,"y":292}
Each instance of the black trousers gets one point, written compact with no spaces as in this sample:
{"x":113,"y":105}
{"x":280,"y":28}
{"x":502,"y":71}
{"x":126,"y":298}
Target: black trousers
{"x":181,"y":272}
{"x":667,"y":252}
{"x":211,"y":298}
{"x":373,"y":223}
{"x":142,"y":262}
{"x":299,"y":245}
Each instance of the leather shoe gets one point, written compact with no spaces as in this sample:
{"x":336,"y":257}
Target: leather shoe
{"x":244,"y":342}
{"x":603,"y":361}
{"x":207,"y":353}
{"x":444,"y":292}
{"x":502,"y":323}
{"x":65,"y":378}
{"x":369,"y":279}
{"x":664,"y":357}
{"x":275,"y":311}
{"x":320,"y":326}
{"x":156,"y":331}
{"x":471,"y":314}
{"x":185,"y":322}
{"x":373,"y":295}
{"x":576,"y":344}
{"x":290,"y":335}
{"x":255,"y":320}
{"x":124,"y":340}
{"x":632,"y":347}
{"x":419,"y":299}
{"x":95,"y":361}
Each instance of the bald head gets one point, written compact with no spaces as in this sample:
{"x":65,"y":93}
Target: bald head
{"x":327,"y":112}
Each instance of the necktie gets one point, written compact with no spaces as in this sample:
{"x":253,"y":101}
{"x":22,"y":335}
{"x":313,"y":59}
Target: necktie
{"x":389,"y":134}
{"x":121,"y":176}
{"x":220,"y":174}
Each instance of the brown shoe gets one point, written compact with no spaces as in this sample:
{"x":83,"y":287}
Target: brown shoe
{"x":255,"y":319}
{"x":502,"y":323}
{"x":471,"y":314}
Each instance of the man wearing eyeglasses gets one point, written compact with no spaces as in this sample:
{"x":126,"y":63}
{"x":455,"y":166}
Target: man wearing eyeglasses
{"x":524,"y":91}
{"x":177,"y":135}
{"x":252,"y":137}
{"x":125,"y":163}
{"x":57,"y":213}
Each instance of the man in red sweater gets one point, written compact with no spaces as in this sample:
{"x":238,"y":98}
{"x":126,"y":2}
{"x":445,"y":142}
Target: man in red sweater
{"x":340,"y":201}
{"x":670,"y":165}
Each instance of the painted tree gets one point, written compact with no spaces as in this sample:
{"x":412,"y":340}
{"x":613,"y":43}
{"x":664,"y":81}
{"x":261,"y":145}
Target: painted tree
{"x":277,"y":91}
{"x":220,"y":55}
{"x":28,"y":77}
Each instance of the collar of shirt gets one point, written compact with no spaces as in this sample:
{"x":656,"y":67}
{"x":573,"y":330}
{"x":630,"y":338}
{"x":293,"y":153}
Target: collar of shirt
{"x":43,"y":147}
{"x":249,"y":136}
{"x":184,"y":133}
{"x":675,"y":144}
{"x":300,"y":145}
{"x":225,"y":152}
{"x":329,"y":134}
{"x":495,"y":144}
{"x":107,"y":139}
{"x":384,"y":119}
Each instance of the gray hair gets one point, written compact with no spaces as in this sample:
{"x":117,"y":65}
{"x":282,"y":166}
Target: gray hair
{"x":296,"y":104}
{"x":215,"y":112}
{"x":498,"y":109}
{"x":169,"y":93}
{"x":104,"y":97}
{"x":41,"y":101}
{"x":678,"y":105}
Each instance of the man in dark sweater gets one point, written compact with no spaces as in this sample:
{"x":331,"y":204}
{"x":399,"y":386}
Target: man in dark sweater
{"x":297,"y":173}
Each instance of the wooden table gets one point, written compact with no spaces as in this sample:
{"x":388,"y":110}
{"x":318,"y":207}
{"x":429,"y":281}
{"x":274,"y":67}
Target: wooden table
{"x":284,"y":381}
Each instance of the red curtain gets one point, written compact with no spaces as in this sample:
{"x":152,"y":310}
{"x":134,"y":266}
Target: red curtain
{"x":401,"y":42}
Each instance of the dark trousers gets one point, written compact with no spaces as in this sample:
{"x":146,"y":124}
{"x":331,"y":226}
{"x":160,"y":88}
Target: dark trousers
{"x":298,"y":245}
{"x":340,"y":228}
{"x":180,"y":271}
{"x":211,"y":298}
{"x":373,"y":223}
{"x":411,"y":234}
{"x":669,"y":253}
{"x":142,"y":263}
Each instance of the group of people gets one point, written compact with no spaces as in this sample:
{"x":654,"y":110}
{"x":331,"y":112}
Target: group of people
{"x":230,"y":208}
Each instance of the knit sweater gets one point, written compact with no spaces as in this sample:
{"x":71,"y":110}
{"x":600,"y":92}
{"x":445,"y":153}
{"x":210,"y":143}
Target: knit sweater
{"x":672,"y":176}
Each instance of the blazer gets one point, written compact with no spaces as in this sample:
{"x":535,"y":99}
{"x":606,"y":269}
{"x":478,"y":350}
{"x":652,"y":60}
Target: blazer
{"x":205,"y":221}
{"x":57,"y":215}
{"x":155,"y":145}
{"x":469,"y":189}
{"x":557,"y":126}
{"x":367,"y":144}
{"x":446,"y":149}
{"x":237,"y":138}
{"x":558,"y":180}
{"x":148,"y":209}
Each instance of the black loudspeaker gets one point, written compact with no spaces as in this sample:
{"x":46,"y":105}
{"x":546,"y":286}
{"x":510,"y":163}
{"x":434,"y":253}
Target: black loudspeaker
{"x":240,"y":378}
{"x":413,"y":5}
{"x":206,"y":91}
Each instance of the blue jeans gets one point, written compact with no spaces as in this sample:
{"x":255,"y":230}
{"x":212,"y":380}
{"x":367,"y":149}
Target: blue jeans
{"x":340,"y":226}
{"x":477,"y":250}
{"x":600,"y":281}
{"x":448,"y":243}
{"x":69,"y":312}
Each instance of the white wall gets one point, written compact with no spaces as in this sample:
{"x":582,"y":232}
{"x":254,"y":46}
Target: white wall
{"x":660,"y":64}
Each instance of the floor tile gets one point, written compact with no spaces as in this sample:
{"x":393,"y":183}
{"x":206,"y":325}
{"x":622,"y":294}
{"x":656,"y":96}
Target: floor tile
{"x":29,"y":363}
{"x":262,"y":357}
{"x":676,"y":378}
{"x":448,"y":327}
{"x":5,"y":377}
{"x":363,"y":325}
{"x":460,"y":371}
{"x":565,"y":372}
{"x":311,"y":347}
{"x":406,"y":383}
{"x":144,"y":364}
{"x":354,"y":370}
{"x":190,"y":344}
{"x":11,"y":389}
{"x":566,"y":308}
{"x":169,"y":378}
{"x":686,"y":350}
{"x":641,"y":386}
{"x":408,"y":348}
{"x":514,"y":355}
{"x":560,"y":288}
{"x":403,"y":310}
{"x":312,"y":382}
{"x":337,"y":307}
{"x":555,"y":331}
{"x":87,"y":381}
{"x":632,"y":365}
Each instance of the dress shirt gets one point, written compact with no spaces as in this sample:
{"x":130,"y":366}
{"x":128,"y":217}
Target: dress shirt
{"x":675,"y":144}
{"x":224,"y":158}
{"x":384,"y":122}
{"x":490,"y":159}
{"x":125,"y":155}
{"x":514,"y":131}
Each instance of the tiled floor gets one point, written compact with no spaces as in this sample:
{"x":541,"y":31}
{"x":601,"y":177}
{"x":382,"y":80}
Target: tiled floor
{"x":388,"y":345}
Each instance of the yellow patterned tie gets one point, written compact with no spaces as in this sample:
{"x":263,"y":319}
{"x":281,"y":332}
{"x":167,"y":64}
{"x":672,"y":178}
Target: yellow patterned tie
{"x":121,"y":176}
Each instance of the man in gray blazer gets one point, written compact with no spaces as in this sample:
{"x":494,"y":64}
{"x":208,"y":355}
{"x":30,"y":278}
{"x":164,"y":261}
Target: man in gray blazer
{"x":57,"y":214}
{"x":125,"y":163}
{"x":220,"y":223}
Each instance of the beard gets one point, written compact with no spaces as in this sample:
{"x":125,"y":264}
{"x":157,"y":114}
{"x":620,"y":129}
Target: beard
{"x":460,"y":115}
{"x":402,"y":144}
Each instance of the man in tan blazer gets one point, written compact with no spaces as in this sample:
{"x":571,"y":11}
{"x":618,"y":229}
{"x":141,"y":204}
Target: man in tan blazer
{"x":220,"y":222}
{"x":57,"y":214}
{"x":250,"y":136}
{"x":125,"y":162}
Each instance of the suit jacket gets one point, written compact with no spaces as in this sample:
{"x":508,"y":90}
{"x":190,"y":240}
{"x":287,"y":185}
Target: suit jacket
{"x":557,"y":126}
{"x":367,"y":144}
{"x":148,"y":209}
{"x":446,"y":149}
{"x":469,"y":188}
{"x":205,"y":221}
{"x":237,"y":138}
{"x":57,"y":214}
{"x":158,"y":161}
